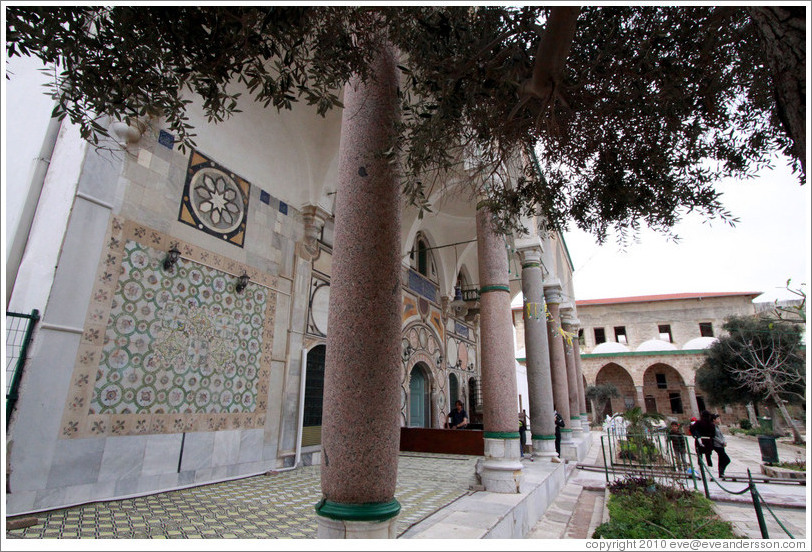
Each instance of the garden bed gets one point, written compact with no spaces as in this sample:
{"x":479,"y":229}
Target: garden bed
{"x":639,"y":508}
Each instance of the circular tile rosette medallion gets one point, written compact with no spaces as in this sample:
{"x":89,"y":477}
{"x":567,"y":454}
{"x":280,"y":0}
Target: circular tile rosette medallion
{"x":217,"y":200}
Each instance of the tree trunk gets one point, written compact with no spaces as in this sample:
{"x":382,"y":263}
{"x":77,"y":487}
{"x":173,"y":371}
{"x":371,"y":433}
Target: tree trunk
{"x":783,"y":29}
{"x":782,"y":408}
{"x":751,"y":414}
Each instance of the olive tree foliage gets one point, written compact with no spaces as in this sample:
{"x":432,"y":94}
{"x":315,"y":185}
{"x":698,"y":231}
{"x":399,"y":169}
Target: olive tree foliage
{"x":600,"y":395}
{"x":759,"y":359}
{"x":618,"y":116}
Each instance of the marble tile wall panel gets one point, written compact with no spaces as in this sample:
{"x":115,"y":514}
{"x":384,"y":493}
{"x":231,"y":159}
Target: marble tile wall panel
{"x":226,"y":448}
{"x":197,"y":451}
{"x":123,"y":457}
{"x":76,"y":462}
{"x":161,"y":454}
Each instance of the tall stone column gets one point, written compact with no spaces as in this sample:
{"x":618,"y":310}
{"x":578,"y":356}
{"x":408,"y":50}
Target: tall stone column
{"x":571,"y":324}
{"x":641,"y":398}
{"x":502,"y":469}
{"x":558,"y":363}
{"x":360,"y":432}
{"x":691,"y":390}
{"x":581,"y":388}
{"x":572,"y":378}
{"x":539,"y":382}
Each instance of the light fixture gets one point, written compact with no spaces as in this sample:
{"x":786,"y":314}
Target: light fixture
{"x":440,"y":360}
{"x":172,"y":257}
{"x":458,"y":304}
{"x":242,"y":282}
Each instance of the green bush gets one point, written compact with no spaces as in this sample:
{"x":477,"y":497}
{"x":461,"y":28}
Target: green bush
{"x":756,"y":431}
{"x":744,"y":423}
{"x":640,"y":508}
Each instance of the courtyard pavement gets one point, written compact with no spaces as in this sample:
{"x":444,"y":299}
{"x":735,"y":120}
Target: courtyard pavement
{"x":280,"y":505}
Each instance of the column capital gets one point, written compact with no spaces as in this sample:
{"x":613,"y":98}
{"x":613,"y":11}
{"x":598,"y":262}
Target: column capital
{"x":314,"y":217}
{"x":553,"y":292}
{"x":528,"y":255}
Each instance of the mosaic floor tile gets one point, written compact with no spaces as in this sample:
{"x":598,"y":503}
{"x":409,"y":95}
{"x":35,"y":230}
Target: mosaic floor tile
{"x":261,"y":507}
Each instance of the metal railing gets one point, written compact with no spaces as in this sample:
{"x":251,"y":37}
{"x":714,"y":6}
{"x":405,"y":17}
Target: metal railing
{"x":19,"y":328}
{"x":650,"y":454}
{"x":758,"y":501}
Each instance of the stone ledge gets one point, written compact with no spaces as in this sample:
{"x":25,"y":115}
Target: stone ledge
{"x":481,"y":515}
{"x":782,"y":473}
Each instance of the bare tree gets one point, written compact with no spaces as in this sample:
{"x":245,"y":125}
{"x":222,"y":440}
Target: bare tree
{"x":769,"y":363}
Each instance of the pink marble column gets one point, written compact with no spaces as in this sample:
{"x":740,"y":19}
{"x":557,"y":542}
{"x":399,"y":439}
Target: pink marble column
{"x":539,"y":386}
{"x":360,"y":431}
{"x":502,"y":470}
{"x":558,"y":366}
{"x":572,"y":371}
{"x":581,"y":389}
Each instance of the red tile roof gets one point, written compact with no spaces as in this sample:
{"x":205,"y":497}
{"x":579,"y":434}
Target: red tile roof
{"x":664,"y":297}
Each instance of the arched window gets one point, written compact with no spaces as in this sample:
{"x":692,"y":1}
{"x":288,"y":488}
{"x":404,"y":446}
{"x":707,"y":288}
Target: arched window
{"x":473,"y":403}
{"x":314,"y":396}
{"x":419,"y":414}
{"x":422,"y":260}
{"x":453,"y":389}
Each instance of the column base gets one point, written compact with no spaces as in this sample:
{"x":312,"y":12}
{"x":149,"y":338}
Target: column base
{"x":357,"y":521}
{"x":502,"y":468}
{"x":329,"y":528}
{"x":544,"y":448}
{"x":585,"y":422}
{"x":566,"y":435}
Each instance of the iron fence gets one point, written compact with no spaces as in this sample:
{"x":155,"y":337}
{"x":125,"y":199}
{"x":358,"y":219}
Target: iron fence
{"x":651,"y":454}
{"x":19,"y":329}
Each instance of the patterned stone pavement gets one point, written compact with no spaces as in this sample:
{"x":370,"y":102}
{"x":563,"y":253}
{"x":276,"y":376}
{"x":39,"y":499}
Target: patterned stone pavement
{"x":273,"y":506}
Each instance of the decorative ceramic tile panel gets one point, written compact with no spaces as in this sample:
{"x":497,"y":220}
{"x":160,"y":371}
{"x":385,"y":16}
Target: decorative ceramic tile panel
{"x":215,"y":200}
{"x":167,"y":351}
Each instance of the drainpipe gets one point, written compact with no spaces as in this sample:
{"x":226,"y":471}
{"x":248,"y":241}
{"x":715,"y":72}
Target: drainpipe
{"x":20,"y":241}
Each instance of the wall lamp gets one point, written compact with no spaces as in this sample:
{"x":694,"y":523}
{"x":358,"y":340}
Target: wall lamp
{"x":172,"y":257}
{"x":440,"y":360}
{"x":242,"y":282}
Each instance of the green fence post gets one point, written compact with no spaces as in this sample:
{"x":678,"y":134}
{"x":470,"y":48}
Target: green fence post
{"x":757,"y":506}
{"x":704,"y":478}
{"x":13,"y":388}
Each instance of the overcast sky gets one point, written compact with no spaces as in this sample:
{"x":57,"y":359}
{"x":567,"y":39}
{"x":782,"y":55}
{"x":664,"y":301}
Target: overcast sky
{"x":769,"y":245}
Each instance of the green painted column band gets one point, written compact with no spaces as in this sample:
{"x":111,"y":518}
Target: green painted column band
{"x":575,"y":417}
{"x":531,"y":265}
{"x":501,"y":434}
{"x":487,"y":289}
{"x":565,"y":430}
{"x":372,"y":511}
{"x":543,"y":437}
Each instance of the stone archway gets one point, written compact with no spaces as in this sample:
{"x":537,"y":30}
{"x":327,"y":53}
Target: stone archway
{"x":664,"y":391}
{"x":619,"y":377}
{"x":420,"y":345}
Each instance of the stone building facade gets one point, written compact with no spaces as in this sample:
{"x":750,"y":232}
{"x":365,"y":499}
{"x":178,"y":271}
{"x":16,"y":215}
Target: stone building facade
{"x":650,"y":347}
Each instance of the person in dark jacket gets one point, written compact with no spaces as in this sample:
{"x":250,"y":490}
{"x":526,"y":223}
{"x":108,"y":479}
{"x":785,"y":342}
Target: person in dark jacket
{"x":559,"y":423}
{"x":705,"y":430}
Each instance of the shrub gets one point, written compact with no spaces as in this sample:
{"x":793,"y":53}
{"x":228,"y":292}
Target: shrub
{"x":641,"y":508}
{"x":744,"y":423}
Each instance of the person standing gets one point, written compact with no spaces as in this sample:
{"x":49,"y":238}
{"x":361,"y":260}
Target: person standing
{"x":522,"y":430}
{"x":705,"y":430}
{"x":719,"y":444}
{"x":678,"y":446}
{"x":559,"y":423}
{"x":457,"y":418}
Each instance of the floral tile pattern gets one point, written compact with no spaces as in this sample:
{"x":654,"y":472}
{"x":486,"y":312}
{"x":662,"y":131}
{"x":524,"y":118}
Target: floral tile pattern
{"x":169,"y":351}
{"x":178,"y":341}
